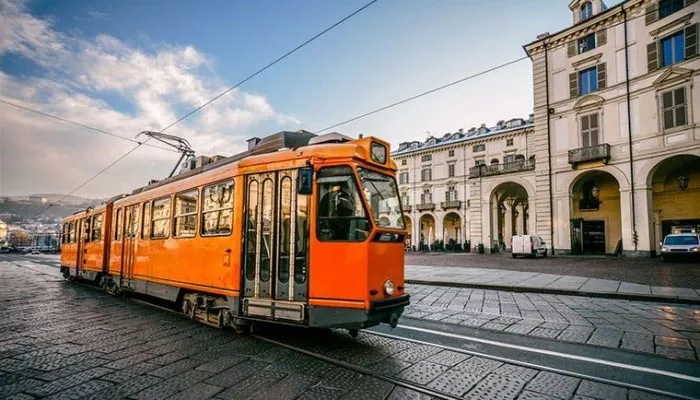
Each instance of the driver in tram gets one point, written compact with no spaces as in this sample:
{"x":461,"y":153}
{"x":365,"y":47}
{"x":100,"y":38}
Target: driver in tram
{"x":337,"y":203}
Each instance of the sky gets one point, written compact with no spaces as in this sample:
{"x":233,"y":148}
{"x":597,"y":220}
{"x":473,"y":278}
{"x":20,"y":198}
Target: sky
{"x":129,"y":66}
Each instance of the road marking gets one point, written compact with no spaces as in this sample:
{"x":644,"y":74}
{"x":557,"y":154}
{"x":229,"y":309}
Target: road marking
{"x":550,"y":353}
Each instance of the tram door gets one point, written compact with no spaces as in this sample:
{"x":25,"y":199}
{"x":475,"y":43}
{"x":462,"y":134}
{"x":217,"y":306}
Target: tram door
{"x":83,"y":236}
{"x":131,"y":214}
{"x":275,"y":265}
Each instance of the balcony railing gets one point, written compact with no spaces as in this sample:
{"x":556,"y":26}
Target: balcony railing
{"x":500,"y":169}
{"x":425,"y":207}
{"x":600,"y":152}
{"x":406,"y":208}
{"x":446,"y":205}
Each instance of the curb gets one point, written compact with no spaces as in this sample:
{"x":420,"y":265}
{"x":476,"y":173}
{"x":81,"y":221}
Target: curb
{"x":622,"y":296}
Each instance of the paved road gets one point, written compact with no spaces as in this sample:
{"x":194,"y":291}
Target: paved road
{"x":67,"y":341}
{"x":644,"y":271}
{"x":670,"y":330}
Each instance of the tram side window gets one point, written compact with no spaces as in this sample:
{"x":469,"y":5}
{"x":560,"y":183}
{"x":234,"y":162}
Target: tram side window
{"x":64,"y":234}
{"x":146,"y":221}
{"x":132,"y":221}
{"x":302,"y":234}
{"x":87,"y":222}
{"x":186,"y":213}
{"x":217,"y":209}
{"x":160,"y":221}
{"x":340,"y":213}
{"x":97,"y":227}
{"x":71,"y":232}
{"x":118,"y":225}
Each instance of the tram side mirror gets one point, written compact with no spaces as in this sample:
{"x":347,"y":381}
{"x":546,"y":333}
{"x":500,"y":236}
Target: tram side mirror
{"x":304,"y":180}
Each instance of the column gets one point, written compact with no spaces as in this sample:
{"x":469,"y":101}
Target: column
{"x":508,"y":222}
{"x":519,"y":220}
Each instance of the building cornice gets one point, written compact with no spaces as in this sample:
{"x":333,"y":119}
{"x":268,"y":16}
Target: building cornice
{"x":448,"y":145}
{"x":607,"y":18}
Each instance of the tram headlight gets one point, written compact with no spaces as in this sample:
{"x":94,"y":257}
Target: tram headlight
{"x":389,"y":287}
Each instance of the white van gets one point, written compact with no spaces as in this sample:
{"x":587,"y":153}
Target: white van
{"x":528,"y":245}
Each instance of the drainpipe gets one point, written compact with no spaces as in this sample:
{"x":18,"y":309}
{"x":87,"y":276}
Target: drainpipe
{"x":549,"y":147}
{"x":629,"y":130}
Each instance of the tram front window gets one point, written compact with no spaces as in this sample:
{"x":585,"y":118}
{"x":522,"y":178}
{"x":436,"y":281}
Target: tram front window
{"x":383,"y":198}
{"x":340,"y":214}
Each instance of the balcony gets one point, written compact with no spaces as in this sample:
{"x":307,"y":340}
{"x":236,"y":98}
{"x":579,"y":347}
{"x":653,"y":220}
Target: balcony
{"x":500,"y":169}
{"x":406,"y":208}
{"x":600,"y":152}
{"x":426,"y":207}
{"x":446,"y":205}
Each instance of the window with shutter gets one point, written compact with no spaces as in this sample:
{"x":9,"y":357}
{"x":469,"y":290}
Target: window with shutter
{"x":601,"y":37}
{"x":573,"y":85}
{"x":450,"y":170}
{"x":602,"y":75}
{"x":651,"y":14}
{"x":588,"y":81}
{"x":673,"y":49}
{"x":589,"y":130}
{"x":571,"y":48}
{"x":652,"y":57}
{"x":691,"y":41}
{"x":668,"y":7}
{"x":674,"y":108}
{"x":586,"y":43}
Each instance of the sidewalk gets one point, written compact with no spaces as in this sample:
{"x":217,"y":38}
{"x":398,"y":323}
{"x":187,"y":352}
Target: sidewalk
{"x":498,"y":279}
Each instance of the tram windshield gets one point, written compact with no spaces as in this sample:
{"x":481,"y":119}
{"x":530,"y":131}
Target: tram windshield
{"x":340,"y":213}
{"x":383,"y":198}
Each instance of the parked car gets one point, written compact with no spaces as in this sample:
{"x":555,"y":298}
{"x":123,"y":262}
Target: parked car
{"x":35,"y":251}
{"x":4,"y":249}
{"x":528,"y":245}
{"x":680,"y":246}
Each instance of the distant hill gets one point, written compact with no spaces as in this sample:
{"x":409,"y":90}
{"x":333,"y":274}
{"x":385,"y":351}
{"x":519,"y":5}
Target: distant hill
{"x":27,"y":207}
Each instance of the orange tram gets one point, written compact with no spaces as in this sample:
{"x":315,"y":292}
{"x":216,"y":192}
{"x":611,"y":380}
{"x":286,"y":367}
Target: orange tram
{"x":299,"y":229}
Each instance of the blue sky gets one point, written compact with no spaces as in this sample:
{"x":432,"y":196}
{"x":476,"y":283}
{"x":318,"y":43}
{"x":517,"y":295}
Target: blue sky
{"x":392,"y":50}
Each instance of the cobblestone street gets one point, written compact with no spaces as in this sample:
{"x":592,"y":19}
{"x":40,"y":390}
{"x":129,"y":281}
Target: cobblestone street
{"x":68,"y":341}
{"x":665,"y":329}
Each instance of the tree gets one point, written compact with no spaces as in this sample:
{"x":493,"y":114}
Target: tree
{"x":19,"y":238}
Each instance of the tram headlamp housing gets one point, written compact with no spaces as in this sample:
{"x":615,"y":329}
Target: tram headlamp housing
{"x":389,"y":287}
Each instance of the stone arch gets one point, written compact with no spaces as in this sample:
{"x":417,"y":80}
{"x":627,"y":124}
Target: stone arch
{"x":408,"y":224}
{"x":673,"y":184}
{"x":617,"y":173}
{"x":427,"y":230}
{"x":649,"y":167}
{"x":595,"y":213}
{"x":509,"y":213}
{"x":452,"y":226}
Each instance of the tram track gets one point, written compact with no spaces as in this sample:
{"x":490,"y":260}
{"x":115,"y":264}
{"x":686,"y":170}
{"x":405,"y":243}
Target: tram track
{"x":670,"y":378}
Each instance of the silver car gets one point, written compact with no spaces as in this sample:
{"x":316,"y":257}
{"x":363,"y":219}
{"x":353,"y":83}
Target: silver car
{"x":680,"y":246}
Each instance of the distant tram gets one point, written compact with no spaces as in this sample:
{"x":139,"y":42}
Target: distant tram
{"x":300,"y":229}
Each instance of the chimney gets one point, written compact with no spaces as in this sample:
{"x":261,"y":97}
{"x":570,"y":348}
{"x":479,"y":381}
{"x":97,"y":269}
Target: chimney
{"x":252,"y":142}
{"x":501,"y":123}
{"x":542,"y":35}
{"x":461,"y":130}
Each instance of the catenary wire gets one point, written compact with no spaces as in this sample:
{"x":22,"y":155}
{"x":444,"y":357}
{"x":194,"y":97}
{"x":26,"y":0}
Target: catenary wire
{"x":81,"y":125}
{"x":445,"y":86}
{"x":287,"y":54}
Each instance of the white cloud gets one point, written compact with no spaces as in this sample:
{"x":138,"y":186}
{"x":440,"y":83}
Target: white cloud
{"x":81,"y":77}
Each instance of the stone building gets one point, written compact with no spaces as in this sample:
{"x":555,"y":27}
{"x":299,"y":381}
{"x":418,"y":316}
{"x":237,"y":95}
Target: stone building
{"x":441,"y":182}
{"x":616,"y":136}
{"x":608,"y":163}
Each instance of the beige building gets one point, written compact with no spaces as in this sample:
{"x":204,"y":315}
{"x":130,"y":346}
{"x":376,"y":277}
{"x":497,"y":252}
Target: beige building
{"x":611,"y":162}
{"x":441,"y":180}
{"x":616,"y":126}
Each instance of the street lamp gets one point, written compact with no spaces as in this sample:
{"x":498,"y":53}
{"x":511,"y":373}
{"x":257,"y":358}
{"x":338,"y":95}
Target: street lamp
{"x":683,"y":182}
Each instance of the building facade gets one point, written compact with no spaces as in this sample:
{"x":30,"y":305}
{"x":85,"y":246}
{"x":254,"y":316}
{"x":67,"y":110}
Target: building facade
{"x":616,"y":126}
{"x":609,"y":163}
{"x":447,"y":183}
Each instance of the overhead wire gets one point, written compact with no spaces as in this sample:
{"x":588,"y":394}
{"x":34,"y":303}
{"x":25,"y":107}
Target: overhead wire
{"x":251,"y":76}
{"x":80,"y":124}
{"x":458,"y":81}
